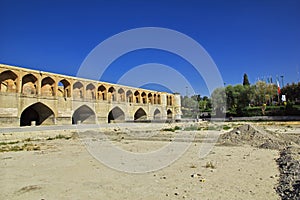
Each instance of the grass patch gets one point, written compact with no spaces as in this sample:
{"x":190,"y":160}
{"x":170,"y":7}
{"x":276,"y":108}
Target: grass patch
{"x":192,"y":128}
{"x":24,"y":147}
{"x":27,"y":140}
{"x":7,"y":143}
{"x":210,"y":165}
{"x":193,"y":166}
{"x":172,"y":129}
{"x":60,"y":136}
{"x":225,"y":127}
{"x":214,"y":128}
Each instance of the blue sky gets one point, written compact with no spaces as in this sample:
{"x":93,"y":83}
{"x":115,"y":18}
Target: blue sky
{"x":260,"y":38}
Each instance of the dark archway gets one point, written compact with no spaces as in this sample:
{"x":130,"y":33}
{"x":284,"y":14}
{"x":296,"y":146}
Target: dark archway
{"x":140,"y":114}
{"x":38,"y":112}
{"x":157,"y":114}
{"x":169,"y":114}
{"x":84,"y":115}
{"x":102,"y":93}
{"x":116,"y":115}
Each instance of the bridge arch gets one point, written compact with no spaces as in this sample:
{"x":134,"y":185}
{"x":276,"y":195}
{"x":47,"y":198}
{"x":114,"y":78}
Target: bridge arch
{"x":121,"y":95}
{"x":150,"y":98}
{"x":64,"y":88}
{"x":129,"y":96}
{"x":140,"y":114}
{"x":47,"y":87}
{"x":137,"y":97}
{"x":78,"y":90}
{"x":158,"y":99}
{"x":102,"y":93}
{"x":38,"y":112}
{"x":144,"y":97}
{"x":157,"y":114}
{"x":169,"y":114}
{"x":84,"y":115}
{"x":111,"y":94}
{"x":116,"y":115}
{"x":29,"y":84}
{"x":154,"y":99}
{"x":90,"y":91}
{"x":8,"y":81}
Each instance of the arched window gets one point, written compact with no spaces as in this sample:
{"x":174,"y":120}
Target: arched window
{"x":111,"y":94}
{"x":102,"y":93}
{"x":78,"y":90}
{"x":47,"y":87}
{"x":121,"y":95}
{"x":29,"y":84}
{"x":137,"y":97}
{"x":129,"y":96}
{"x":90,"y":91}
{"x":150,"y":98}
{"x":144,"y":98}
{"x":64,"y":88}
{"x":8,"y":81}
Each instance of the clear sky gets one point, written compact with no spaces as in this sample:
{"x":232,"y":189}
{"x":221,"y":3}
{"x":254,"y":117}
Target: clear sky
{"x":257,"y":37}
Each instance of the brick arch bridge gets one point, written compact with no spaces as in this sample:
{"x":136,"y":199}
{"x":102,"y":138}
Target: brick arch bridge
{"x":35,"y":97}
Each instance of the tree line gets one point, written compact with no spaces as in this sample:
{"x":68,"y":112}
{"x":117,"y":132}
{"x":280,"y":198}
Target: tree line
{"x":244,"y":99}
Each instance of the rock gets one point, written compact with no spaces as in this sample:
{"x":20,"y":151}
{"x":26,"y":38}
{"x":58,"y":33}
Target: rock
{"x":195,"y":175}
{"x":289,"y":167}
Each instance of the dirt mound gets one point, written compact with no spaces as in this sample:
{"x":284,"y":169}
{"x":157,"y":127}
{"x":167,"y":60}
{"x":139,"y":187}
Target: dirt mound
{"x":248,"y":134}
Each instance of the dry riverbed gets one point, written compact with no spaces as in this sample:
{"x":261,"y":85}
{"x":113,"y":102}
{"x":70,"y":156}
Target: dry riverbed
{"x":244,"y":164}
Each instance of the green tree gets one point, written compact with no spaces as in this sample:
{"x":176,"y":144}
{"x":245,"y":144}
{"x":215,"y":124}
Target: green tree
{"x":292,"y":92}
{"x":218,"y":98}
{"x":205,"y":104}
{"x":189,"y":107}
{"x":264,"y":93}
{"x":246,"y":80}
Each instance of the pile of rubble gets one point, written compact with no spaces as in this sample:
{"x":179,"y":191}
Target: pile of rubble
{"x":289,"y":167}
{"x":247,"y":134}
{"x":289,"y":159}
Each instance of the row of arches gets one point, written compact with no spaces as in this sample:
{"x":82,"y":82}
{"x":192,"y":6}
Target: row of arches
{"x":40,"y":113}
{"x":29,"y":84}
{"x":169,"y":100}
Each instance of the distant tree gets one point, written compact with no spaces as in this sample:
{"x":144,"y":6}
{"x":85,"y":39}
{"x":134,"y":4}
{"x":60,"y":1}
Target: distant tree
{"x":292,"y":92}
{"x":264,"y":93}
{"x":218,"y":99}
{"x":196,"y":97}
{"x":245,"y":80}
{"x":205,"y":104}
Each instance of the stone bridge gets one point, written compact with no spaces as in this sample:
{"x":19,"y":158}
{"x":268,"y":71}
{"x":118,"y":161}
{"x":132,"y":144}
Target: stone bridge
{"x":31,"y":97}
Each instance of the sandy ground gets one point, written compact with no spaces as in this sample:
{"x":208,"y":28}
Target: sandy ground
{"x":64,"y":169}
